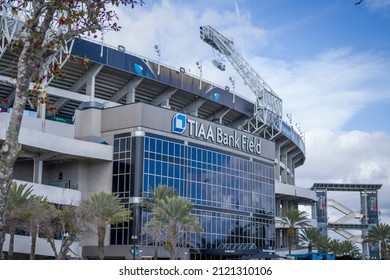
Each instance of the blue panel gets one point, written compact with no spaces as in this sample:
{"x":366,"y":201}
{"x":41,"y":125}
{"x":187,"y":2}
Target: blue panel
{"x":93,"y":51}
{"x":372,"y":208}
{"x":291,"y":134}
{"x":149,"y":69}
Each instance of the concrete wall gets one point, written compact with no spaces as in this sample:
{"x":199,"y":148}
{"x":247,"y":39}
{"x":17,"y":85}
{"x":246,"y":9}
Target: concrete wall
{"x":146,"y":117}
{"x":22,"y":244}
{"x":54,"y":194}
{"x":69,"y":170}
{"x":24,"y":170}
{"x":54,"y":141}
{"x":87,"y":123}
{"x":95,"y":176}
{"x":51,"y":127}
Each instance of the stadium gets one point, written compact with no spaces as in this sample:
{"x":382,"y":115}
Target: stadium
{"x":127,"y":124}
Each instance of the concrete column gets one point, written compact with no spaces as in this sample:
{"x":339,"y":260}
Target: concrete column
{"x":130,"y":96}
{"x":38,"y":170}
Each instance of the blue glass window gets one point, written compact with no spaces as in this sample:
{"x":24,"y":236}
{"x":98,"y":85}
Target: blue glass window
{"x":221,"y":181}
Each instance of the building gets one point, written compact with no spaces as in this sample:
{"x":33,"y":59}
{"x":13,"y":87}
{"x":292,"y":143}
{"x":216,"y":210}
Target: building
{"x":127,"y":124}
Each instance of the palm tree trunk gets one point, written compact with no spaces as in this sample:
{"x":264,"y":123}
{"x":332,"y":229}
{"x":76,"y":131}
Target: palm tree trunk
{"x":155,"y":250}
{"x":12,"y":229}
{"x":53,"y":247}
{"x":290,"y":235}
{"x":101,"y":236}
{"x":65,"y":244}
{"x":174,"y":243}
{"x":383,"y":251}
{"x":33,"y":243}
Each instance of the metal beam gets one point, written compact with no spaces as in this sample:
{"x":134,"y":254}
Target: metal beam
{"x":164,"y":97}
{"x":346,"y":187}
{"x":10,"y":28}
{"x":76,"y":87}
{"x":219,"y":115}
{"x":239,"y":123}
{"x":192,"y":108}
{"x":70,"y":95}
{"x":128,"y":88}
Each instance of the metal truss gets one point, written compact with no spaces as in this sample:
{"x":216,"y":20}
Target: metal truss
{"x":267,"y":118}
{"x":11,"y":28}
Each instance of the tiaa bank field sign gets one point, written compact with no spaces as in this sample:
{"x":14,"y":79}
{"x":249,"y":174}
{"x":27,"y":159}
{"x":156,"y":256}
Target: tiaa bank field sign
{"x":215,"y":134}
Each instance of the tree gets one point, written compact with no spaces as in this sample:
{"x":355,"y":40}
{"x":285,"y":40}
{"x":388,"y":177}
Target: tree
{"x":345,"y":248}
{"x":324,"y":244}
{"x":40,"y":213}
{"x":172,"y":222}
{"x":293,"y":218}
{"x":66,"y":225}
{"x":31,"y":213}
{"x":47,"y":26}
{"x":18,"y":202}
{"x":309,"y":236}
{"x":149,"y":203}
{"x":380,"y":233}
{"x":160,"y":193}
{"x":101,"y":210}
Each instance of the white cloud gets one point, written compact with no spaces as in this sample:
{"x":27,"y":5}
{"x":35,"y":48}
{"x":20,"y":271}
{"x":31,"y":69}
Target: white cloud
{"x":377,"y":4}
{"x":349,"y":157}
{"x":328,"y":90}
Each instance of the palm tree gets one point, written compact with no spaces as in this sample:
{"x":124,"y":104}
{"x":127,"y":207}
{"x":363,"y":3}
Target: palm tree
{"x":101,"y":210}
{"x":149,"y":203}
{"x":347,"y":247}
{"x":65,"y":224}
{"x":40,"y":212}
{"x":334,"y":246}
{"x":324,"y":244}
{"x":18,"y":200}
{"x":172,"y":221}
{"x":293,"y":218}
{"x":380,"y":233}
{"x":309,"y":236}
{"x":160,"y":193}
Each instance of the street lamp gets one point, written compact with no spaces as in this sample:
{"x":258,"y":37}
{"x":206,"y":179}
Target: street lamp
{"x":233,"y":81}
{"x":158,"y":51}
{"x":199,"y":66}
{"x":182,"y":72}
{"x":134,"y":241}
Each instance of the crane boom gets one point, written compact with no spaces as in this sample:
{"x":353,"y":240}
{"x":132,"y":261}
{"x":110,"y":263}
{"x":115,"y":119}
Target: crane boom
{"x":268,"y":106}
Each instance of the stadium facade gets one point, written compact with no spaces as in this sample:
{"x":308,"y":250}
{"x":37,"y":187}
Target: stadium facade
{"x":127,"y":124}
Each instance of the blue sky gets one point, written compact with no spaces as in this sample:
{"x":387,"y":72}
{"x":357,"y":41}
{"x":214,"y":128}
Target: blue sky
{"x":328,"y":60}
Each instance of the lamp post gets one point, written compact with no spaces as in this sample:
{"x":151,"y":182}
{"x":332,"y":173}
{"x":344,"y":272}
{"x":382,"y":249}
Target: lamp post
{"x":182,"y":72}
{"x":158,"y":51}
{"x":199,"y":66}
{"x":233,"y":81}
{"x":134,"y":240}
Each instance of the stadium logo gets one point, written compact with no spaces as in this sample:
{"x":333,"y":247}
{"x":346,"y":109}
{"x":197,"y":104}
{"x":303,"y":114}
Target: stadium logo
{"x":179,"y":123}
{"x":215,"y":134}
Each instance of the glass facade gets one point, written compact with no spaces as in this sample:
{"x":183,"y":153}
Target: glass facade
{"x":234,"y":196}
{"x":121,"y":185}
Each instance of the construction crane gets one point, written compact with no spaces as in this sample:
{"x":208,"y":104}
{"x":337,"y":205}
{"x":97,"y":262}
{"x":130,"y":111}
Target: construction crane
{"x":267,"y":117}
